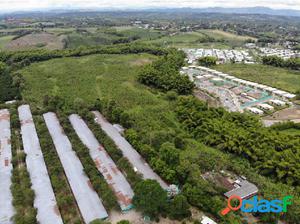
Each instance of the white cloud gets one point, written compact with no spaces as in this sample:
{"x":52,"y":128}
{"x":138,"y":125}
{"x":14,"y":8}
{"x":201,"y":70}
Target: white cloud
{"x":9,"y":5}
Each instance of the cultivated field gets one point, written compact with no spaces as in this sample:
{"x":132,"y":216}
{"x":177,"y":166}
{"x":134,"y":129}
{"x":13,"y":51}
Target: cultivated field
{"x":36,"y":40}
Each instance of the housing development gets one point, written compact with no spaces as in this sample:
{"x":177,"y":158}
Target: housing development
{"x":149,"y":112}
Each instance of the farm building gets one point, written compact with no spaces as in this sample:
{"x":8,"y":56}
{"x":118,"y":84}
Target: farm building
{"x":104,"y":163}
{"x":88,"y":202}
{"x":45,"y":201}
{"x":243,"y":189}
{"x":139,"y":164}
{"x":6,"y":207}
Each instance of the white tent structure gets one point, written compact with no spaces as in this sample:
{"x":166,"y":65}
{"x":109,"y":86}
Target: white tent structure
{"x":128,"y":151}
{"x":89,"y":203}
{"x":6,"y":207}
{"x":104,"y":163}
{"x":45,"y":202}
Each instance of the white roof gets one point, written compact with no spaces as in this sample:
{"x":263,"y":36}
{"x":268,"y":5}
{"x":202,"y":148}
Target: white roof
{"x":289,"y":95}
{"x":255,"y":110}
{"x":266,"y":106}
{"x":206,"y":220}
{"x":88,"y":201}
{"x":106,"y":166}
{"x":6,"y":207}
{"x":44,"y":201}
{"x":128,"y":151}
{"x":277,"y":101}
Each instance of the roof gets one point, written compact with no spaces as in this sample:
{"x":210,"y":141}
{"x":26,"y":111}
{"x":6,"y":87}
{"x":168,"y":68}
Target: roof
{"x":128,"y":151}
{"x":6,"y":207}
{"x":243,"y":189}
{"x":206,"y":220}
{"x":44,"y":201}
{"x":87,"y":199}
{"x":106,"y":166}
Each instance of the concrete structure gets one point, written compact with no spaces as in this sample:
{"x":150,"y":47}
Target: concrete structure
{"x":243,"y":189}
{"x":282,"y":53}
{"x":265,"y":106}
{"x":88,"y":201}
{"x":223,"y":56}
{"x":255,"y":110}
{"x":6,"y":207}
{"x":45,"y":202}
{"x":138,"y":163}
{"x":277,"y":102}
{"x":104,"y":163}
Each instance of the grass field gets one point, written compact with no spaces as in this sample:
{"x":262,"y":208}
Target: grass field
{"x":193,"y":40}
{"x":276,"y":77}
{"x":4,"y":41}
{"x":91,"y":77}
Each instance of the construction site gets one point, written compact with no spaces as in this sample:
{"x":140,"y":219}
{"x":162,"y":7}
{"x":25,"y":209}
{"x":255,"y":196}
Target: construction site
{"x":237,"y":94}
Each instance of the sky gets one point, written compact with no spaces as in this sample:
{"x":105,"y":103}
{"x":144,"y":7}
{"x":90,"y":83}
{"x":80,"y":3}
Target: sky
{"x":24,"y":5}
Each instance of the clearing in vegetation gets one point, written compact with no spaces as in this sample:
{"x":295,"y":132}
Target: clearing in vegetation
{"x":89,"y":203}
{"x":36,"y":40}
{"x":45,"y":201}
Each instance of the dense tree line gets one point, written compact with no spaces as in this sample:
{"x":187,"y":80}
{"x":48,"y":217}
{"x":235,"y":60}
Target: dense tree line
{"x":275,"y":154}
{"x":292,"y":63}
{"x":9,"y":89}
{"x":207,"y":61}
{"x":163,"y":74}
{"x":23,"y":58}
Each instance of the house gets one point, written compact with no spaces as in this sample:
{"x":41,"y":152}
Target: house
{"x":255,"y":110}
{"x":265,"y":106}
{"x":277,"y":102}
{"x":206,"y":220}
{"x":242,"y":188}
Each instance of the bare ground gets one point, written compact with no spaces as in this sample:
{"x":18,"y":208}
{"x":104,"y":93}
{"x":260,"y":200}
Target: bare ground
{"x":36,"y":40}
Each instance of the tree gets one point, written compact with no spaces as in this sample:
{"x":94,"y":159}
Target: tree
{"x":150,"y":198}
{"x":179,"y":208}
{"x":207,"y":61}
{"x":123,"y":222}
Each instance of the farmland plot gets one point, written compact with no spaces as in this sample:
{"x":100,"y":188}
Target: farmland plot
{"x":45,"y":202}
{"x":87,"y":199}
{"x":104,"y":163}
{"x":6,"y":207}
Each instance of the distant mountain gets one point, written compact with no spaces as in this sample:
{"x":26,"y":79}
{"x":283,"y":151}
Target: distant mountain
{"x":221,"y":10}
{"x":246,"y":10}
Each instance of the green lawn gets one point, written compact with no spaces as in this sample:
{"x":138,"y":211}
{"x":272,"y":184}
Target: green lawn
{"x":276,"y":77}
{"x":4,"y":40}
